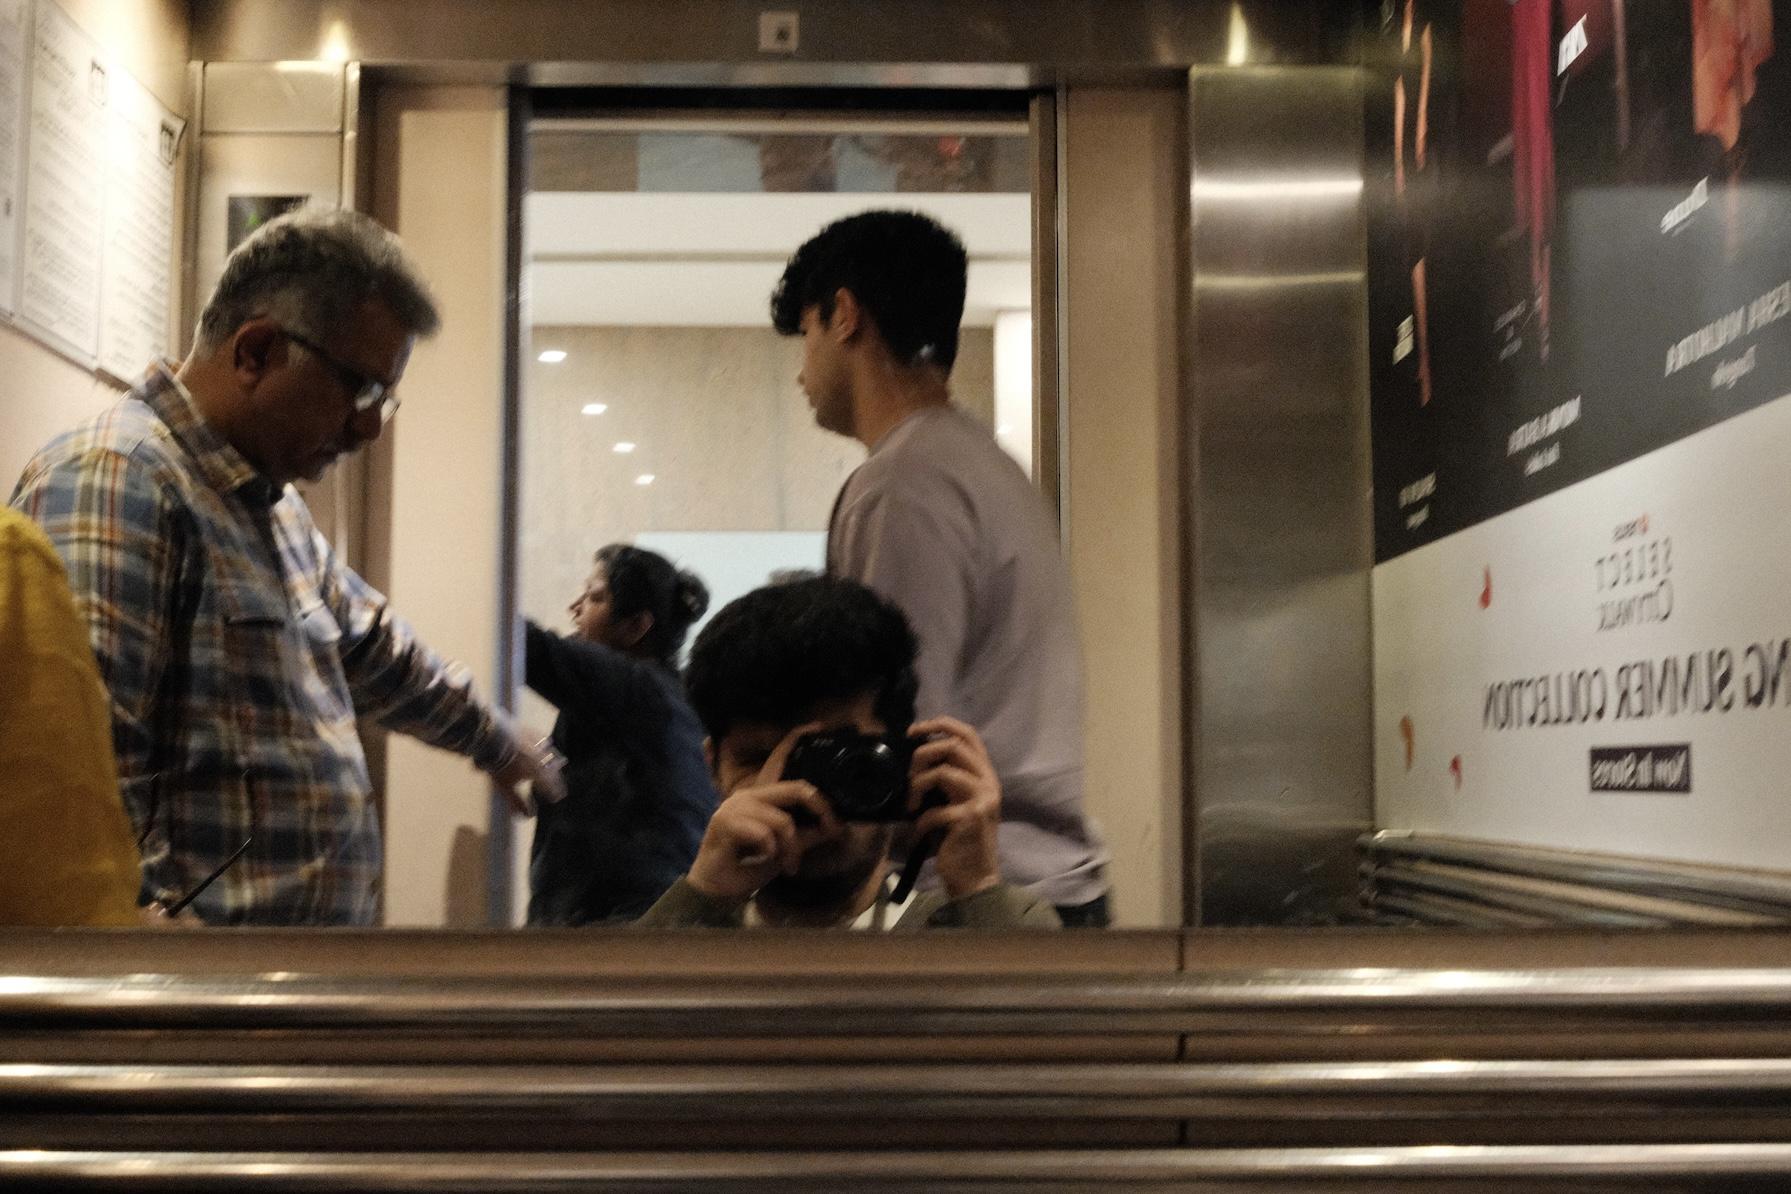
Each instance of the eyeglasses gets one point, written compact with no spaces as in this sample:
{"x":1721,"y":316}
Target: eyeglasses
{"x":369,"y":393}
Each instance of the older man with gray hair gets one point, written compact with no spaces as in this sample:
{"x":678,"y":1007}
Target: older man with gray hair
{"x":238,"y":650}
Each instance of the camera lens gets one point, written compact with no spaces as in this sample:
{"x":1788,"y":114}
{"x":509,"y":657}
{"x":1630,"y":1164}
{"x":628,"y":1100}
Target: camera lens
{"x":864,"y":777}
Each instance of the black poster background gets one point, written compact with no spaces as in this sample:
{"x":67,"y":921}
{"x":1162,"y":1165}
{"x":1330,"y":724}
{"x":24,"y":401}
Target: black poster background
{"x":1525,"y":313}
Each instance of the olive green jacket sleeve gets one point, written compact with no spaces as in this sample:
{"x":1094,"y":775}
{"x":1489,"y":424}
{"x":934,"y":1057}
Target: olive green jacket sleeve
{"x":999,"y":907}
{"x":684,"y":907}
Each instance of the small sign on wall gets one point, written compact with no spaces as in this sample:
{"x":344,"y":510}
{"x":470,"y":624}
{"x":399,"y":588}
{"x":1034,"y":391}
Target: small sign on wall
{"x":779,"y":32}
{"x":246,"y":213}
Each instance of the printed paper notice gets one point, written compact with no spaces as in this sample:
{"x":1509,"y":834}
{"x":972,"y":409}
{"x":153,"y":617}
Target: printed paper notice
{"x":141,"y":140}
{"x":64,"y":178}
{"x":13,"y":14}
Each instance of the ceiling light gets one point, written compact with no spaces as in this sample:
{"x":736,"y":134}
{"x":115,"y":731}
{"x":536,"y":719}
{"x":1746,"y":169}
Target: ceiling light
{"x":592,"y":408}
{"x":644,"y":479}
{"x":335,"y":44}
{"x":1246,"y":189}
{"x":552,"y":356}
{"x":623,"y":448}
{"x":1237,"y":41}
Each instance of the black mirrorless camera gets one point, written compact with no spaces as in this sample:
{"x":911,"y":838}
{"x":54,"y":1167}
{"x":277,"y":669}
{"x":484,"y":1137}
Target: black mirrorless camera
{"x":863,"y":776}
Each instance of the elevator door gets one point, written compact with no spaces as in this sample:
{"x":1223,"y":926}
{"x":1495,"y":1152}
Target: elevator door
{"x":656,"y":404}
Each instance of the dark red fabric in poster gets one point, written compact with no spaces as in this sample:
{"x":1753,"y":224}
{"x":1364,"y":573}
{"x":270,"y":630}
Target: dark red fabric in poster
{"x":1533,"y":140}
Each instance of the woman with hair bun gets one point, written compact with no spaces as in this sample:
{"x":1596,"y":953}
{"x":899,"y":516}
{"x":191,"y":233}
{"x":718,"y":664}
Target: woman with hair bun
{"x":639,"y":794}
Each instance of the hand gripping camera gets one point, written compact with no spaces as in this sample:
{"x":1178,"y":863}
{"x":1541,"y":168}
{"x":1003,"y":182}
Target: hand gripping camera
{"x":865,"y":778}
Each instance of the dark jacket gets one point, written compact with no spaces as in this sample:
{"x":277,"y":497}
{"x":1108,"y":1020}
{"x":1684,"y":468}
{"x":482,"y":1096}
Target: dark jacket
{"x":638,"y":792}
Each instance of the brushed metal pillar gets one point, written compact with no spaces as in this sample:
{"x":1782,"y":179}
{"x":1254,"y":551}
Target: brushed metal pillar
{"x":1277,"y":495}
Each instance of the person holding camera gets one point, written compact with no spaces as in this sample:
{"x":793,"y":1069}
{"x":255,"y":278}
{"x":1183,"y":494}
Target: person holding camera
{"x":806,"y":691}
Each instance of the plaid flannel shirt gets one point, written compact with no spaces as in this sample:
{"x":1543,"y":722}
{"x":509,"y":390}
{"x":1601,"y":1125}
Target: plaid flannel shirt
{"x":238,"y":652}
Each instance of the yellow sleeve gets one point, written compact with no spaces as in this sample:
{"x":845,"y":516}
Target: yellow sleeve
{"x":67,"y":856}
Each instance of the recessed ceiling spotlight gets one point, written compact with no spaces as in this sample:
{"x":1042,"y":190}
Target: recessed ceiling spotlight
{"x":644,"y":479}
{"x":592,"y":408}
{"x":623,"y":448}
{"x":551,"y":356}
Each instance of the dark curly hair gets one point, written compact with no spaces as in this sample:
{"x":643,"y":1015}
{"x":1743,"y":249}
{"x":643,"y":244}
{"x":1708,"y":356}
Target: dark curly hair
{"x":642,"y":581}
{"x":906,"y":269}
{"x":773,"y":654}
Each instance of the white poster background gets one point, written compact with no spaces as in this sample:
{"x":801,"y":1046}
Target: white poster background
{"x":139,"y":222}
{"x":734,"y":563}
{"x":1723,"y":498}
{"x":15,"y":16}
{"x":64,"y":179}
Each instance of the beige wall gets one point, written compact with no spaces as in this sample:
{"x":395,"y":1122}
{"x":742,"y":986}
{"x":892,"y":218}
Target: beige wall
{"x":1121,"y":531}
{"x":719,"y":421}
{"x":46,"y":393}
{"x":442,"y":177}
{"x":273,"y":129}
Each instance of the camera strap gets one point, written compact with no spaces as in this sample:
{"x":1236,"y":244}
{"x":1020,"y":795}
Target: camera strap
{"x":917,"y":858}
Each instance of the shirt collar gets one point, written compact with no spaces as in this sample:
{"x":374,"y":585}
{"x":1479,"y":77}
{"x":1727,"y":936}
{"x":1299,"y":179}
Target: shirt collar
{"x":872,"y":919}
{"x":903,"y":429}
{"x":222,"y":466}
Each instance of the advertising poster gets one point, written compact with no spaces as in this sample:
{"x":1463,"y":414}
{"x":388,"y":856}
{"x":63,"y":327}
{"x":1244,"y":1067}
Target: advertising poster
{"x":1580,"y":337}
{"x":1580,"y":236}
{"x":1605,"y":669}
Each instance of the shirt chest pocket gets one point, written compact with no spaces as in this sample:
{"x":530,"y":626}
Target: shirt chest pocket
{"x":282,"y":656}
